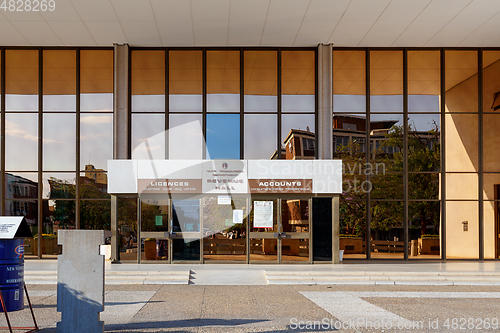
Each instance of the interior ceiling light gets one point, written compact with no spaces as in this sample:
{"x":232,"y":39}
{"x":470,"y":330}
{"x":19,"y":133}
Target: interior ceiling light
{"x":496,"y":101}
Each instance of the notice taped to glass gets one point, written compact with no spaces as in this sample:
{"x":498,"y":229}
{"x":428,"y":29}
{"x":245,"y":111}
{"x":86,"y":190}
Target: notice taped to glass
{"x":263,"y":214}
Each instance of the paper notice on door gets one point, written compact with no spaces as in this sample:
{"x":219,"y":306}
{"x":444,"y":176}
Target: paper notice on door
{"x":238,"y":216}
{"x":263,"y":214}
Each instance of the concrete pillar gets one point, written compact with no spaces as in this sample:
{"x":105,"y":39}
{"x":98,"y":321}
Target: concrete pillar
{"x":80,"y":281}
{"x":325,"y":102}
{"x":120,"y":129}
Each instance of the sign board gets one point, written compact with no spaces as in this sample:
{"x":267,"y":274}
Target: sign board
{"x":159,"y":220}
{"x":169,"y":185}
{"x":225,"y":176}
{"x":262,"y":214}
{"x":14,"y":227}
{"x":238,"y":216}
{"x":224,"y":199}
{"x":280,"y":185}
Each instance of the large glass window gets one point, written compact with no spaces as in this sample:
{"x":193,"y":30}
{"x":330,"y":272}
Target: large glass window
{"x":185,"y":81}
{"x":298,"y":73}
{"x":148,"y":81}
{"x":223,"y":81}
{"x":261,"y":81}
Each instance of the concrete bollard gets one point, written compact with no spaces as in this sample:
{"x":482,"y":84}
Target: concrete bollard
{"x":80,"y":281}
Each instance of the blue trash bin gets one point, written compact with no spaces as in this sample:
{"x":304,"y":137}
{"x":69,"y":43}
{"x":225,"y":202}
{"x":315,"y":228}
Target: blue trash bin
{"x":12,"y":273}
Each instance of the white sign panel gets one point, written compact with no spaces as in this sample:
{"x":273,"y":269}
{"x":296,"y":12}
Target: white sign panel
{"x":263,"y":214}
{"x":221,"y":176}
{"x":237,"y":216}
{"x":224,"y":199}
{"x":9,"y":226}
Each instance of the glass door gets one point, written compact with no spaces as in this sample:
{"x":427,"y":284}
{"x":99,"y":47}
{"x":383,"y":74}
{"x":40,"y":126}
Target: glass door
{"x":263,"y":231}
{"x":224,"y":228}
{"x":186,"y":230}
{"x":295,"y":230}
{"x":154,"y":228}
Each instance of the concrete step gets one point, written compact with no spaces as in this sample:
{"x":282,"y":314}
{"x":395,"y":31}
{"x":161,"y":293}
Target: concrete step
{"x":384,"y":278}
{"x":118,"y":277}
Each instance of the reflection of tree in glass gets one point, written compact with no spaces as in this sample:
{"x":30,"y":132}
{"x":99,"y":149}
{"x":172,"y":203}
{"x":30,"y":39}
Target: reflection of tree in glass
{"x":215,"y":215}
{"x":423,"y":156}
{"x":149,"y":214}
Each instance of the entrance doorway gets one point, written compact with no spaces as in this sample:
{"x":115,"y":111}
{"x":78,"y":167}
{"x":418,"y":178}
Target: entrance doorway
{"x":170,"y":229}
{"x":225,"y":229}
{"x":280,"y":230}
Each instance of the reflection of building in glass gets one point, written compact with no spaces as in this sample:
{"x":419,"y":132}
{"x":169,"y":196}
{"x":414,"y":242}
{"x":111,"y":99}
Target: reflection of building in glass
{"x":17,"y":188}
{"x":98,"y":175}
{"x":300,"y":144}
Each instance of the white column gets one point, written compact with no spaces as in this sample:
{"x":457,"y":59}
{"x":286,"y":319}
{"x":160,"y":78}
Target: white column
{"x":325,"y":102}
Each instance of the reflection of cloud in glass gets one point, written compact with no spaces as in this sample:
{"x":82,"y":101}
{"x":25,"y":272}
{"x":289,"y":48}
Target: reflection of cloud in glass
{"x":59,"y":146}
{"x":101,"y":119}
{"x":386,"y":103}
{"x":59,"y":102}
{"x":260,"y":136}
{"x":185,"y":103}
{"x":21,"y":141}
{"x":349,"y":103}
{"x":298,"y":103}
{"x":223,"y":102}
{"x":96,"y":140}
{"x":296,"y":121}
{"x":96,"y":102}
{"x":423,"y":103}
{"x":257,"y":103}
{"x":144,"y":129}
{"x":186,"y":137}
{"x":21,"y":102}
{"x":148,"y":103}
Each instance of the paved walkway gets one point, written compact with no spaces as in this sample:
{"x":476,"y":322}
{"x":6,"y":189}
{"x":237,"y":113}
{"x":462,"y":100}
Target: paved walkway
{"x":356,"y":272}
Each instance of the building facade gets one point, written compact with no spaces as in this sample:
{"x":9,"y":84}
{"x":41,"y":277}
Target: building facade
{"x":412,"y":116}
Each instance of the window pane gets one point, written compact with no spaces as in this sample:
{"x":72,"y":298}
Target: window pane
{"x":96,"y":80}
{"x":461,"y":142}
{"x":93,"y":184}
{"x":386,"y":86}
{"x":224,"y":239}
{"x":424,"y":229}
{"x":352,"y":228}
{"x":296,"y":124}
{"x":387,"y":186}
{"x":96,"y":140}
{"x":223,"y":81}
{"x":21,"y":142}
{"x":491,"y":229}
{"x":261,"y":81}
{"x":461,"y":81}
{"x":298,"y":77}
{"x":185,"y":137}
{"x":95,"y":214}
{"x":59,"y":185}
{"x":491,"y":185}
{"x":21,"y":80}
{"x":349,"y":81}
{"x":387,"y":230}
{"x":59,"y":142}
{"x":260,"y":136}
{"x":148,"y":81}
{"x":59,"y":80}
{"x":423,"y":186}
{"x":62,"y":213}
{"x":424,"y":85}
{"x":223,"y":136}
{"x":148,"y":136}
{"x":21,"y":185}
{"x":185,"y":81}
{"x":424,"y":151}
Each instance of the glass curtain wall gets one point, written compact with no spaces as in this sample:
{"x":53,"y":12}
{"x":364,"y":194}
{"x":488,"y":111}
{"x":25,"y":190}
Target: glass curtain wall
{"x":429,"y":121}
{"x":56,"y":121}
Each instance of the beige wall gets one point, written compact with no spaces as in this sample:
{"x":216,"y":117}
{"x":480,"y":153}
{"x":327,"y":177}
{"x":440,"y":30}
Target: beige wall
{"x":461,"y":132}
